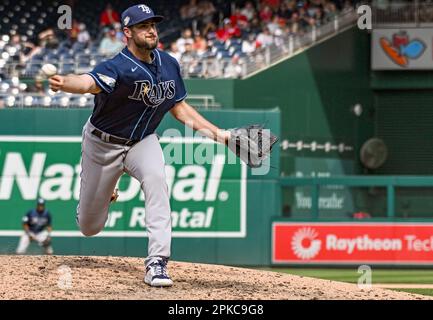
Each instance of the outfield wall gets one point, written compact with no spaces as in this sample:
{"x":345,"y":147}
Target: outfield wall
{"x":221,"y":211}
{"x":316,"y":91}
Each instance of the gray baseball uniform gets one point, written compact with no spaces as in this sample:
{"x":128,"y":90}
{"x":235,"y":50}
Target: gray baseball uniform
{"x":120,"y":137}
{"x":102,"y":165}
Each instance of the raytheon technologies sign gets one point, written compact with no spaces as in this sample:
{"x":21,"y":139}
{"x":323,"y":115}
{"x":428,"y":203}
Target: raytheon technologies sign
{"x":386,"y":243}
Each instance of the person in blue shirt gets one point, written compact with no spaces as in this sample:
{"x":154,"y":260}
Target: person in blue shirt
{"x":37,"y":225}
{"x":133,"y":92}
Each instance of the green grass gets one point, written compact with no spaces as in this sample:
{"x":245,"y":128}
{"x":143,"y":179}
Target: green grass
{"x":351,"y":275}
{"x":425,"y":292}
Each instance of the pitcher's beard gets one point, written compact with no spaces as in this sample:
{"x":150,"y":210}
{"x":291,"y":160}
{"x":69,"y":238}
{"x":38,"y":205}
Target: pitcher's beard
{"x":147,"y":45}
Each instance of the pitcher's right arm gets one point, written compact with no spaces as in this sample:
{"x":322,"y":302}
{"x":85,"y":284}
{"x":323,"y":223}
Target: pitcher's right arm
{"x":73,"y":83}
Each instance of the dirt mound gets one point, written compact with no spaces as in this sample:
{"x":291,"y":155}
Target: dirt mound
{"x":73,"y":277}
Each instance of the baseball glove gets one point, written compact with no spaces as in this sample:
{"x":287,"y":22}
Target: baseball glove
{"x":46,"y":242}
{"x":252,"y":144}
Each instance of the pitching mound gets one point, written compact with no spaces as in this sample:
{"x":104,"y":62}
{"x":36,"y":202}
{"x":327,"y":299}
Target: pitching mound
{"x":72,"y":277}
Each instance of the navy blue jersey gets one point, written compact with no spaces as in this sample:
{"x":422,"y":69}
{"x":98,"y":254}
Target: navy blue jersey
{"x":36,"y":221}
{"x":135,"y":95}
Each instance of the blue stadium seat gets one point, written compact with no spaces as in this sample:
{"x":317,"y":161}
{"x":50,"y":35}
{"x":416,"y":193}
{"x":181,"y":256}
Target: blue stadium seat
{"x":84,"y":66}
{"x":236,"y":45}
{"x":37,"y":58}
{"x":83,"y":58}
{"x":66,"y":56}
{"x":61,"y":100}
{"x":32,"y":69}
{"x":236,"y":41}
{"x":219,"y":45}
{"x":99,"y":58}
{"x":51,"y":57}
{"x":10,"y":101}
{"x":64,"y":47}
{"x":209,"y":54}
{"x":67,"y":68}
{"x":81,"y":101}
{"x":46,"y":101}
{"x":78,"y":47}
{"x":223,"y":54}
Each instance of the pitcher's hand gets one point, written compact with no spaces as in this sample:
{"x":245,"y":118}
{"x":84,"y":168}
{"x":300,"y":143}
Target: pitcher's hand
{"x":56,"y":82}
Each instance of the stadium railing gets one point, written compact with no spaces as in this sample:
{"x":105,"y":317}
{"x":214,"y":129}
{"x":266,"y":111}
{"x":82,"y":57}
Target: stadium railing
{"x":66,"y":100}
{"x":283,"y":48}
{"x":288,"y":47}
{"x":411,"y":14}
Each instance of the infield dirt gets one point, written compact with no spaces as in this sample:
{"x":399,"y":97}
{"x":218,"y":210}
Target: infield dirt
{"x":74,"y":277}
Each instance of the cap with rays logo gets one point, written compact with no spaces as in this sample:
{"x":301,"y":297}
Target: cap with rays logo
{"x":139,"y":13}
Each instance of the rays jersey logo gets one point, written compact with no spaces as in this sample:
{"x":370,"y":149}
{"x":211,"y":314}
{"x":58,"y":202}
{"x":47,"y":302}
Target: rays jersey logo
{"x":153,"y":95}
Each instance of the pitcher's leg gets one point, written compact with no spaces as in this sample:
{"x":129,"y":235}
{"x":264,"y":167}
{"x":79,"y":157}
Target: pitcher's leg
{"x":101,"y":168}
{"x":145,"y":162}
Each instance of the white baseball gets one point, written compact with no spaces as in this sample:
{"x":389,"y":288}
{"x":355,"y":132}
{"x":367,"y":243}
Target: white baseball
{"x":49,"y":70}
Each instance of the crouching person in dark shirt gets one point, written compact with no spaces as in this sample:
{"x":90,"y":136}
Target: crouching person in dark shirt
{"x":37,"y":227}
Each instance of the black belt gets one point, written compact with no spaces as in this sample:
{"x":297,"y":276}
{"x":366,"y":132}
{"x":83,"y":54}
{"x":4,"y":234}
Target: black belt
{"x":113,"y":139}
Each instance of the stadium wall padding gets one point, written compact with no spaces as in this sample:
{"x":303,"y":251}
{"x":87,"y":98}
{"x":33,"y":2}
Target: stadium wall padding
{"x":262,"y":192}
{"x":221,"y":89}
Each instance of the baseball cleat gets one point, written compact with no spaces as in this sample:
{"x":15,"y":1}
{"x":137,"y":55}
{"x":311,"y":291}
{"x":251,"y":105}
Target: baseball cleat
{"x":114,"y":196}
{"x":156,"y":274}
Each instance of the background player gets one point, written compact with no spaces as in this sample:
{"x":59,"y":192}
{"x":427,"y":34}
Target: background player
{"x":133,"y":91}
{"x":37,"y":225}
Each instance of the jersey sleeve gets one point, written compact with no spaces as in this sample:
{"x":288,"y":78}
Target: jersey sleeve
{"x":105,"y":75}
{"x":26,"y":218}
{"x":180,"y":85}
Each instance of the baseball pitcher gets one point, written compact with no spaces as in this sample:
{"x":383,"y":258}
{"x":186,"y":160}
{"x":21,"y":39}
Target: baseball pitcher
{"x":37,"y":227}
{"x":133,"y":91}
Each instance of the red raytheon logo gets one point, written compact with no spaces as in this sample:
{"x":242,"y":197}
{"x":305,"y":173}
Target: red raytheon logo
{"x":305,"y":244}
{"x":334,"y":242}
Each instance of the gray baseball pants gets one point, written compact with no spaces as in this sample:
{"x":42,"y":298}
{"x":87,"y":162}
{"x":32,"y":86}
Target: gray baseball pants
{"x":102,"y":165}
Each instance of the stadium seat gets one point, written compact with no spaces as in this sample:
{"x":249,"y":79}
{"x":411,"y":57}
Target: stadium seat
{"x":29,"y":18}
{"x":60,"y":100}
{"x":66,"y":68}
{"x":223,"y":55}
{"x":51,"y":57}
{"x":10,"y":101}
{"x":66,"y":56}
{"x":32,"y":69}
{"x":46,"y":101}
{"x":4,"y":87}
{"x":37,"y":58}
{"x":28,"y":101}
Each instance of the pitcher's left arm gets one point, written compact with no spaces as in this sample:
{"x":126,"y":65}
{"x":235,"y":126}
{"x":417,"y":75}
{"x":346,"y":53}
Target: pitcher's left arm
{"x":189,"y":116}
